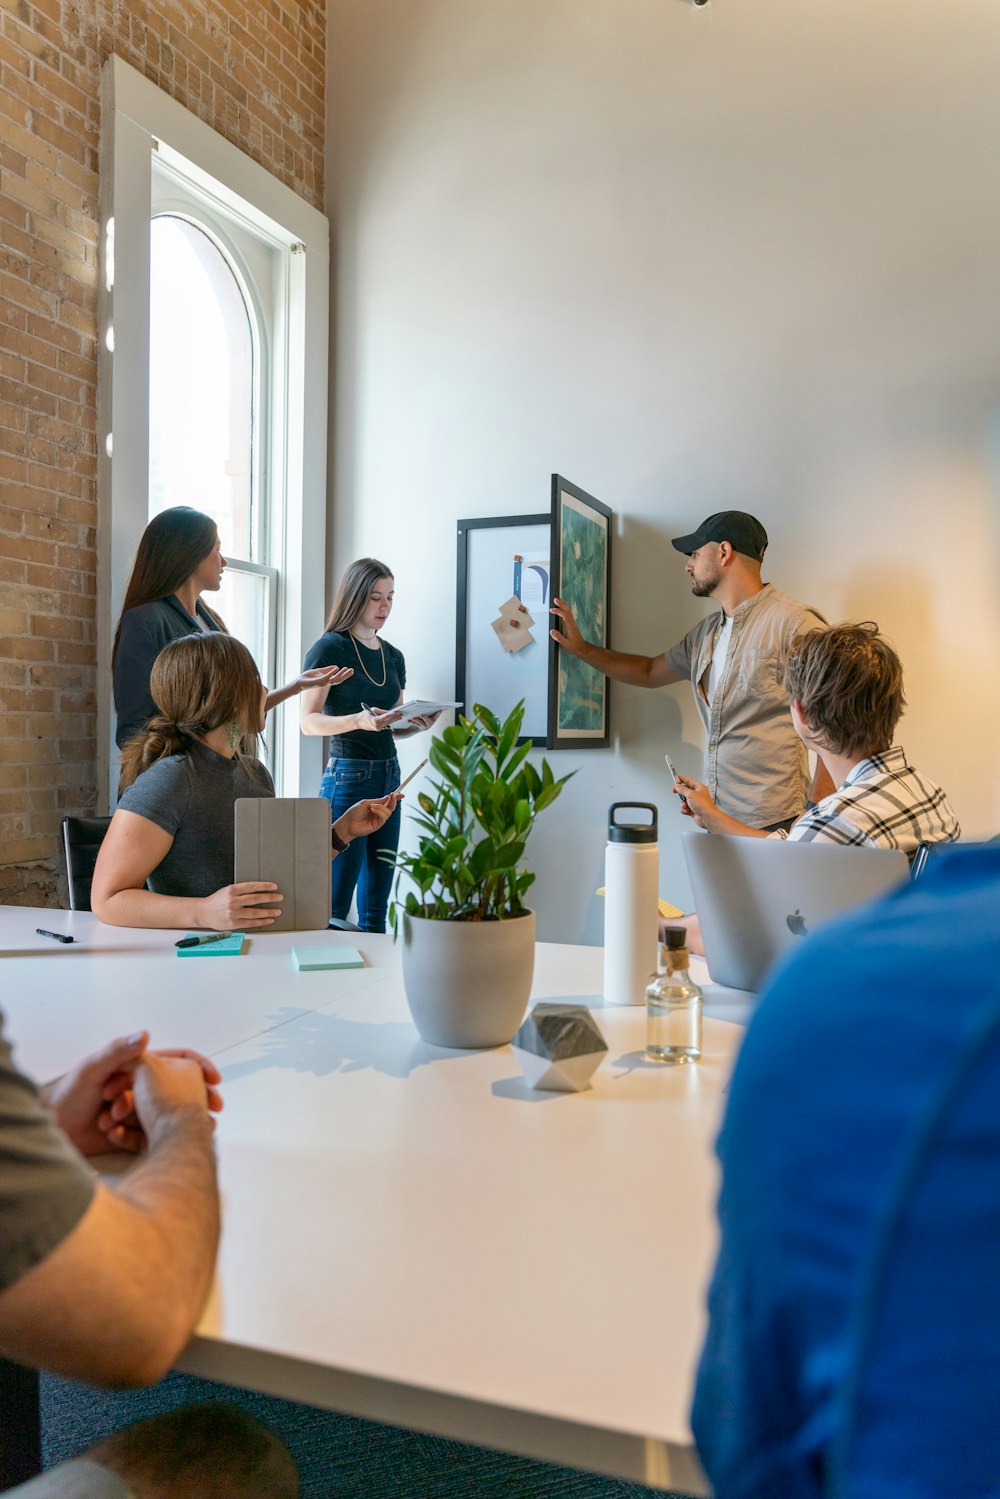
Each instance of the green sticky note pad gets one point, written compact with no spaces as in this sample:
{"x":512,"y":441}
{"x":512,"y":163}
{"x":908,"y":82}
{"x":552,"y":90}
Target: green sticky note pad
{"x":309,"y":958}
{"x":228,"y":947}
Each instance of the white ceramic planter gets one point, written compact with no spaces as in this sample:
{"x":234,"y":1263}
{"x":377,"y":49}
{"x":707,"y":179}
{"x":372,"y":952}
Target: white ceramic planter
{"x":468,"y":982}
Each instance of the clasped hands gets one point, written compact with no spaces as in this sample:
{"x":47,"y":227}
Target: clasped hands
{"x":119,"y":1097}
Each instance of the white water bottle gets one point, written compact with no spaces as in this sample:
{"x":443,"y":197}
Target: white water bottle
{"x":631,"y":912}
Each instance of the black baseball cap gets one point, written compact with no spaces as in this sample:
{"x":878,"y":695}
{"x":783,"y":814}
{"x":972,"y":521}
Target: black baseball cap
{"x":744,"y":533}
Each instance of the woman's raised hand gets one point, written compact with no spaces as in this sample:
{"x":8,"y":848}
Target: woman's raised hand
{"x":237,"y":908}
{"x":322,"y":676}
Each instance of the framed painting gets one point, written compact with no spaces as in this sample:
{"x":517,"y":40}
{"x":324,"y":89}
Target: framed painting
{"x":579,"y":697}
{"x":502,"y":628}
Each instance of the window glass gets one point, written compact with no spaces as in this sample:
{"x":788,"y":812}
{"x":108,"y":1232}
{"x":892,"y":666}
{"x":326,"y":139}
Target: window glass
{"x":201,"y":383}
{"x":244,"y":602}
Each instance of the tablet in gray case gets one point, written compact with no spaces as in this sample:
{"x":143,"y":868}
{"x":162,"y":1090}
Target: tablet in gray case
{"x":287,"y":839}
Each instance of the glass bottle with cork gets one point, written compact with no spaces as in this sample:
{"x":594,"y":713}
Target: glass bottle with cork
{"x":673,"y":1005}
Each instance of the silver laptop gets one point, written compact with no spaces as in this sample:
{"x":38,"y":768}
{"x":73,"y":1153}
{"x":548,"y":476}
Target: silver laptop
{"x":287,"y":839}
{"x":757,"y":897}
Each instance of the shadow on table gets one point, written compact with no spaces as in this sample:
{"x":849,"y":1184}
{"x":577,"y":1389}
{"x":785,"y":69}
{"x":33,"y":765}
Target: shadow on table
{"x":323,"y":1044}
{"x":521,"y":1090}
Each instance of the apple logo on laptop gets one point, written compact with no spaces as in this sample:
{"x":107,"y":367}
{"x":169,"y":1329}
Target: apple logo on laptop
{"x":796,"y":924}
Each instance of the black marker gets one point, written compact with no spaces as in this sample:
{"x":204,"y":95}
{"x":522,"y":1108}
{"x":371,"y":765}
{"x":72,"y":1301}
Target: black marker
{"x":201,"y":941}
{"x":56,"y":936}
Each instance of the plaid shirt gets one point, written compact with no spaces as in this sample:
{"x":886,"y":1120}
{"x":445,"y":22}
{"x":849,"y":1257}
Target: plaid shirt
{"x":883,"y":803}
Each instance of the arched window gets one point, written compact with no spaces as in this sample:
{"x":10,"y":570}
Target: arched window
{"x":203,"y":364}
{"x":208,"y":327}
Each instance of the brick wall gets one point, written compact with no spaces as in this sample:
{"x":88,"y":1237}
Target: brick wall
{"x":255,"y":71}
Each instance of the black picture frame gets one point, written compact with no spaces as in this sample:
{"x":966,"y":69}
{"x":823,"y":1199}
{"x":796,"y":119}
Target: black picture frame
{"x":489,"y":548}
{"x":579,"y":715}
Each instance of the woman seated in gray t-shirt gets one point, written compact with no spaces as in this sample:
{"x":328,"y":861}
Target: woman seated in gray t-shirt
{"x":167,"y":858}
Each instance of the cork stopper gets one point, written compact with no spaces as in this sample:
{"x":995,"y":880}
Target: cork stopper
{"x":673,"y":950}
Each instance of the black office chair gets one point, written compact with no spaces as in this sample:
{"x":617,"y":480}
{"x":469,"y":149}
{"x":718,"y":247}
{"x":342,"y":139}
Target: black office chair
{"x":82,"y":839}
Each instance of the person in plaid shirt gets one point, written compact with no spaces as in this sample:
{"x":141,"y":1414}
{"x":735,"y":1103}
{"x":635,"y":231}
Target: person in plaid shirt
{"x":845,"y":689}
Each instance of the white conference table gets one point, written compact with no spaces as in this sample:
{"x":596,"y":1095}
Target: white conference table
{"x":411,"y":1234}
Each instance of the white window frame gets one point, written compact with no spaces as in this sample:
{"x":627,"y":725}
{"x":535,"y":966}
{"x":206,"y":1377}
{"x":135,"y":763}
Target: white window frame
{"x":137,"y":119}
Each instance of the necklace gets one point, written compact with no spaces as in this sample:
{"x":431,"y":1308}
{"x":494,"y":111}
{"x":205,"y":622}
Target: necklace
{"x":364,"y":667}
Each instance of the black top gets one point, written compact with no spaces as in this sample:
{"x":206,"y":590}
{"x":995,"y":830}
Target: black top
{"x":339,"y":648}
{"x":145,"y":631}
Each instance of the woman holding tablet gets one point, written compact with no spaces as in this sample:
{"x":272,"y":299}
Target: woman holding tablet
{"x":358,"y":714}
{"x":167,"y":858}
{"x":178,"y":559}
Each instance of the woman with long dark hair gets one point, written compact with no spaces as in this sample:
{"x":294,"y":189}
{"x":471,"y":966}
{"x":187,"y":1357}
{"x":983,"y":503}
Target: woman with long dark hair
{"x":168,"y":858}
{"x":358,"y":713}
{"x":179,"y":558}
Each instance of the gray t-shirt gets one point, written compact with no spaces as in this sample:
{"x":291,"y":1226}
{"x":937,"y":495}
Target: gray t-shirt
{"x":755,"y":763}
{"x":193,"y":797}
{"x":45,"y":1186}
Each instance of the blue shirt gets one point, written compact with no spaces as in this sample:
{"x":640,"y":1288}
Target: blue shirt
{"x":852,"y":1044}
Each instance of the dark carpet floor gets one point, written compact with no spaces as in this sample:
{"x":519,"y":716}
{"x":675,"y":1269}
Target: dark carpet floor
{"x":339,"y":1457}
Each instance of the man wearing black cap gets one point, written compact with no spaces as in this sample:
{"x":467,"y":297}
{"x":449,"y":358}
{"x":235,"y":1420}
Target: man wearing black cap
{"x":755,"y":764}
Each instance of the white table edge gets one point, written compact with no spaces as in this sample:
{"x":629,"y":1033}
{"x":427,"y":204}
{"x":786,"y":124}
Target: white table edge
{"x":618,"y":1454}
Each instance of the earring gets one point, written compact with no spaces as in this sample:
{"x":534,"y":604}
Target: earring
{"x":233,"y":734}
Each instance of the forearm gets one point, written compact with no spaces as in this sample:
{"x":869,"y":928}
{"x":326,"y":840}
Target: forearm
{"x":146,"y":908}
{"x":328,"y":724}
{"x":174,"y":1187}
{"x":721,"y":822}
{"x":118,"y":1299}
{"x":634,"y":671}
{"x":276,"y":695}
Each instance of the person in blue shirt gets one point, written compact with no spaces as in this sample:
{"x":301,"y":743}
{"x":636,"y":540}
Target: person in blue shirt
{"x":858,"y":1056}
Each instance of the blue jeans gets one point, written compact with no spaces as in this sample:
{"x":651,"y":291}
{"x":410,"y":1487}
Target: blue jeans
{"x":344,"y":783}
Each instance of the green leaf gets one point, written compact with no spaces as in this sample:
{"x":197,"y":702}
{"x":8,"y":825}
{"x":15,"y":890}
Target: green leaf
{"x":487,"y":718}
{"x":516,"y":759}
{"x":507,"y":856}
{"x":509,"y":733}
{"x":533,"y":779}
{"x":480,"y":861}
{"x":442,"y":762}
{"x":522,"y":815}
{"x":546,"y":796}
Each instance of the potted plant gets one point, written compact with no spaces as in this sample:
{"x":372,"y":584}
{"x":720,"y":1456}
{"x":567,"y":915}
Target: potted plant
{"x":468,"y":937}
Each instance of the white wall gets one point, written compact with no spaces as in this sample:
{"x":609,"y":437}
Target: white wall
{"x":745,"y":255}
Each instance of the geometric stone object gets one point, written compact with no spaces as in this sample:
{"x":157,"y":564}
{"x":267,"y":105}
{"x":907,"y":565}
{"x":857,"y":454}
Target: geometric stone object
{"x":559,"y":1047}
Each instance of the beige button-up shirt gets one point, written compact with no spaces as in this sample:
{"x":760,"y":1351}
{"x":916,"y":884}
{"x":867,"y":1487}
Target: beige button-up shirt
{"x":755,"y":764}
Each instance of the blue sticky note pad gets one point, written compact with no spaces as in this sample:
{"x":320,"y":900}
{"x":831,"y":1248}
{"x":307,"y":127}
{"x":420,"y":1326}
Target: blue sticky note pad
{"x":229,"y":947}
{"x":309,"y":958}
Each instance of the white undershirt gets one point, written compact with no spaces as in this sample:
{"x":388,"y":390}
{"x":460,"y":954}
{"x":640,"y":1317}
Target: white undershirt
{"x":719,"y":654}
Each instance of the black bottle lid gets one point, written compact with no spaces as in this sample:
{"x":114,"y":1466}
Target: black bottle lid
{"x":674,"y":937}
{"x":632,"y":832}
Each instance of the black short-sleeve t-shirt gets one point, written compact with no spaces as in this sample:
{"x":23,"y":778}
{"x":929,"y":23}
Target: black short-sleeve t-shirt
{"x":365,"y":688}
